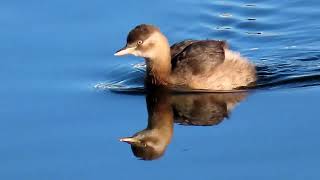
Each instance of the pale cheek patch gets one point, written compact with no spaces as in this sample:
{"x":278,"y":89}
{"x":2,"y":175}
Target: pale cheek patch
{"x":151,"y":47}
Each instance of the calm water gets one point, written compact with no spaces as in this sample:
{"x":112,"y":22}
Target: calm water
{"x":59,"y":119}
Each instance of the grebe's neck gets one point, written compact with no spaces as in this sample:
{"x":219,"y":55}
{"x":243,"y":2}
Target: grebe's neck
{"x":159,"y":62}
{"x":160,"y":118}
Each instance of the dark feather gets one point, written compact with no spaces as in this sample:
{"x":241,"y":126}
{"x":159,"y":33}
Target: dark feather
{"x":141,"y":32}
{"x":197,"y":56}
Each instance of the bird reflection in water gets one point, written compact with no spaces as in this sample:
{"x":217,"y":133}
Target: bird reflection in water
{"x":166,"y":108}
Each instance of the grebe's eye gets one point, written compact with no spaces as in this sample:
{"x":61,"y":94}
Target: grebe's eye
{"x":139,"y":42}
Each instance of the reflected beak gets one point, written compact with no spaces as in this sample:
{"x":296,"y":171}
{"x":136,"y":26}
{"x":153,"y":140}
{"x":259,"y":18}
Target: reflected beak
{"x":130,"y":140}
{"x":124,"y":51}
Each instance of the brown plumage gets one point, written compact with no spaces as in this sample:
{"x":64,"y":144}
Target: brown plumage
{"x":195,"y":64}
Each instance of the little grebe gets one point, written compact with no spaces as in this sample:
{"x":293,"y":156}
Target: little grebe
{"x":195,"y":64}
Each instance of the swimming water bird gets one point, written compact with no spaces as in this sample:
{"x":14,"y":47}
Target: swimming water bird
{"x":194,"y":64}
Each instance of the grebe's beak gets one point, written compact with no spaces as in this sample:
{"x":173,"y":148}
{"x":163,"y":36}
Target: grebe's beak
{"x":125,"y":51}
{"x":130,"y":140}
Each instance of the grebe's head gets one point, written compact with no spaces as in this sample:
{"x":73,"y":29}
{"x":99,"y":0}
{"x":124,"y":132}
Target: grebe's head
{"x":146,"y":146}
{"x":144,"y":41}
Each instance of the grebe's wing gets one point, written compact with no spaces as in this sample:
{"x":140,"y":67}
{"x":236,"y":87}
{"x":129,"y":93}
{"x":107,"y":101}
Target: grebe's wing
{"x":177,"y":48}
{"x":197,"y":56}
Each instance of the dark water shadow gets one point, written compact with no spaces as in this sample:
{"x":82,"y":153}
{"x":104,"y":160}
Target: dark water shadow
{"x":279,"y":78}
{"x":191,"y":109}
